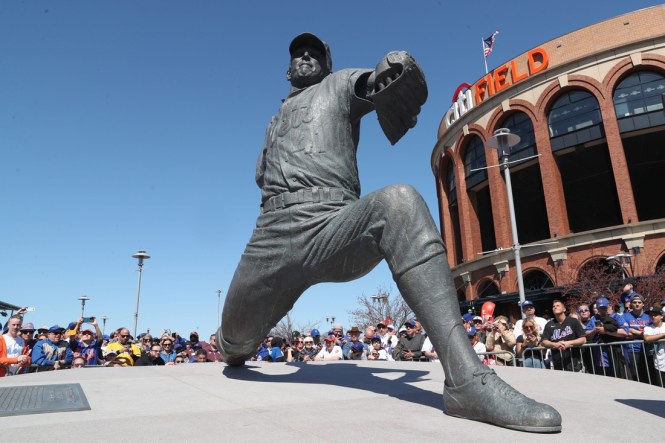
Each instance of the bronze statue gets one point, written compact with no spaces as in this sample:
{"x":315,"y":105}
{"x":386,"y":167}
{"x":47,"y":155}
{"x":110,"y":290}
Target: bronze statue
{"x":314,"y":227}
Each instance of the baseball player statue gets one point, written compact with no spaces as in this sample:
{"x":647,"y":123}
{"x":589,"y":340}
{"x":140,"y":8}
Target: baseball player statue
{"x":315,"y":227}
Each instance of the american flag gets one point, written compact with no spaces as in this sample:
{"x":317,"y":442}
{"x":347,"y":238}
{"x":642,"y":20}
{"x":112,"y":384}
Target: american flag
{"x":488,"y":43}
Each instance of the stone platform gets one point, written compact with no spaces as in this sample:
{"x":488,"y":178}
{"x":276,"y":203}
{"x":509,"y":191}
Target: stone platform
{"x":341,"y":401}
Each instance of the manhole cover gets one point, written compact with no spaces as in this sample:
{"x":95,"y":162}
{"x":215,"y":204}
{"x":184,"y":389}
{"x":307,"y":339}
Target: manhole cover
{"x":21,"y":400}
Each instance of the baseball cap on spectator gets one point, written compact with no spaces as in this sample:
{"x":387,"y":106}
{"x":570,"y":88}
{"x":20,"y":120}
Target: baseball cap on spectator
{"x":71,"y":325}
{"x":410,"y":324}
{"x":308,"y":340}
{"x":329,"y":338}
{"x":402,"y":329}
{"x":42,"y":329}
{"x":390,"y":327}
{"x":380,"y":324}
{"x":467,"y":317}
{"x":86,"y":331}
{"x":526,"y":303}
{"x":602,"y":302}
{"x":477,"y":318}
{"x":315,"y":333}
{"x":27,"y":327}
{"x":56,"y":328}
{"x":626,"y":296}
{"x":194,"y":334}
{"x":106,"y":337}
{"x":636,"y":296}
{"x":655,"y":310}
{"x":471,"y":332}
{"x":375,"y":338}
{"x":357,"y":347}
{"x":110,"y":352}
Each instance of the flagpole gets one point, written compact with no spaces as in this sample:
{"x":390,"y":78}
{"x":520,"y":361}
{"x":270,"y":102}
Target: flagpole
{"x":482,"y":43}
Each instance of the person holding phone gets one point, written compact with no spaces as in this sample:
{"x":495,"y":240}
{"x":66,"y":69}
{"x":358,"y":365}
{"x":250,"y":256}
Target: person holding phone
{"x":528,"y":339}
{"x":89,"y":344}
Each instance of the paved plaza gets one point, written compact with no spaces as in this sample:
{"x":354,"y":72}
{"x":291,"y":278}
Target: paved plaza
{"x":339,"y":401}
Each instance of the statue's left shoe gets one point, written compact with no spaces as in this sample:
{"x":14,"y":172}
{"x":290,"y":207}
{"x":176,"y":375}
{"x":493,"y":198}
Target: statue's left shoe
{"x":488,"y":398}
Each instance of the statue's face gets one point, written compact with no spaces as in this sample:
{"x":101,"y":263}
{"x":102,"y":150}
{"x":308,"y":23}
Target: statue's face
{"x":308,"y":67}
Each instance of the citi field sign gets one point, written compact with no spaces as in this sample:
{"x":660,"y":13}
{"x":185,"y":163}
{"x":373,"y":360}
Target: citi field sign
{"x":466,"y":97}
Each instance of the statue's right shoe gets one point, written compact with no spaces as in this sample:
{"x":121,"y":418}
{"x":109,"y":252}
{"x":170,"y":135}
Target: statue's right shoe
{"x":489,"y":399}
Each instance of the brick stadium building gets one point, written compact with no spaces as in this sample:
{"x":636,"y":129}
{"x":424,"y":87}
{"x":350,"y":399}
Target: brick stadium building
{"x":589,"y":109}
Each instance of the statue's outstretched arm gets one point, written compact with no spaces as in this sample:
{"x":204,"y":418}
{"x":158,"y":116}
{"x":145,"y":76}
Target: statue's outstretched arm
{"x":398,"y":89}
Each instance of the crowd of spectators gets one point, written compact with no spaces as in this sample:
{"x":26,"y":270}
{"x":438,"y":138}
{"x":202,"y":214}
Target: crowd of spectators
{"x":579,"y":339}
{"x":25,"y":349}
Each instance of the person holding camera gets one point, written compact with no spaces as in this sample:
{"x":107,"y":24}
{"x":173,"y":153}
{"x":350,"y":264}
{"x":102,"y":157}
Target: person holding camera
{"x":501,"y":338}
{"x":528,"y":339}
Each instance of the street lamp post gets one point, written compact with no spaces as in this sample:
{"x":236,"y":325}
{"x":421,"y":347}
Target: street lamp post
{"x":104,"y":318}
{"x":140,"y":256}
{"x":503,"y":140}
{"x":83,"y":298}
{"x":330,"y":320}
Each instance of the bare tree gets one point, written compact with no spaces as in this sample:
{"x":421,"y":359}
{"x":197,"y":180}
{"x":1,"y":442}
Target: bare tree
{"x":583,"y":283}
{"x":375,"y":308}
{"x":286,"y":327}
{"x":652,"y":287}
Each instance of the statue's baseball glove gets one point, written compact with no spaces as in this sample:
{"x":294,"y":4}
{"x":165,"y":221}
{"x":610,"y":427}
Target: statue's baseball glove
{"x":399,"y":90}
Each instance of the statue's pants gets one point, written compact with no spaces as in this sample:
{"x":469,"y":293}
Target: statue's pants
{"x":296,"y":247}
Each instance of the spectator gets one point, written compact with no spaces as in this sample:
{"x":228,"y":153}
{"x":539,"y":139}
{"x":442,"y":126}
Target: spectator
{"x":128,"y":352}
{"x":78,"y":362}
{"x":167,"y":353}
{"x":52,"y":352}
{"x":410,"y":345}
{"x":294,"y":352}
{"x":589,"y":324}
{"x":476,"y":344}
{"x":14,"y":356}
{"x":608,"y":360}
{"x":151,"y":358}
{"x":200,"y":356}
{"x":624,"y":298}
{"x":27,"y":334}
{"x":370,"y":333}
{"x":652,"y":334}
{"x":353,"y":335}
{"x":636,"y":356}
{"x":377,"y":352}
{"x":212,"y":351}
{"x":145,"y":343}
{"x":500,"y":338}
{"x":560,"y":334}
{"x":309,"y":351}
{"x":276,"y":354}
{"x":330,"y":350}
{"x":529,"y":311}
{"x":316,"y":335}
{"x":389,"y":340}
{"x":477,"y":323}
{"x":109,"y":358}
{"x":428,"y":349}
{"x":180,"y":359}
{"x":87,"y":346}
{"x":356,"y":351}
{"x":529,"y":338}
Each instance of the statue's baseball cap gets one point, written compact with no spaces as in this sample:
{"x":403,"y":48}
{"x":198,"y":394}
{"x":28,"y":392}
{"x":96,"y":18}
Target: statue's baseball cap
{"x":307,"y":38}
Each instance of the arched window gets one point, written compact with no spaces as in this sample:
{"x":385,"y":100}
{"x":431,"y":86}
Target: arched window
{"x":638,"y":101}
{"x":537,"y":279}
{"x":450,"y":183}
{"x":474,"y":160}
{"x":520,"y":124}
{"x":574,"y":119}
{"x":488,"y":288}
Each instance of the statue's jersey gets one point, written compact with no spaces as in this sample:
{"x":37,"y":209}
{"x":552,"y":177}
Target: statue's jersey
{"x":312,"y":141}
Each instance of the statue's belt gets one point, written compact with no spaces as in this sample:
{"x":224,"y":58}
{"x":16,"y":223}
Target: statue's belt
{"x":309,"y":195}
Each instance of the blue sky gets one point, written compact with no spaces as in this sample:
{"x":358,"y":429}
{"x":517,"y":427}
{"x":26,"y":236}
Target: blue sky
{"x":130,"y":125}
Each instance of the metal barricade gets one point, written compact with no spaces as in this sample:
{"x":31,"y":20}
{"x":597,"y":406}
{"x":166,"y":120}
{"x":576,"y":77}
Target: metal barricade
{"x":630,"y":360}
{"x":507,"y":362}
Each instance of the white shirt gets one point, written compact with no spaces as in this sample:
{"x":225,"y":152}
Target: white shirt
{"x":428,"y":347}
{"x":540,"y":321}
{"x":480,"y":347}
{"x":14,"y":349}
{"x":659,"y":356}
{"x":336,"y":352}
